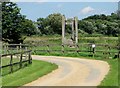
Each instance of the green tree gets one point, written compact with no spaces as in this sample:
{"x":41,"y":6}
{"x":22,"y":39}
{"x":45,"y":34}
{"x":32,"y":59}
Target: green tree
{"x":11,"y":23}
{"x":55,"y":21}
{"x":87,"y":27}
{"x":103,"y":24}
{"x":0,"y":31}
{"x":43,"y":26}
{"x":51,"y":24}
{"x":28,"y":27}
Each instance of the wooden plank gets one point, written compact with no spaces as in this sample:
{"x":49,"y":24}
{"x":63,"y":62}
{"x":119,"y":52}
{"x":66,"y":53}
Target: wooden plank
{"x":48,"y":49}
{"x":11,"y":63}
{"x":77,"y":48}
{"x":16,"y":44}
{"x":21,"y":60}
{"x":29,"y":58}
{"x":16,"y":53}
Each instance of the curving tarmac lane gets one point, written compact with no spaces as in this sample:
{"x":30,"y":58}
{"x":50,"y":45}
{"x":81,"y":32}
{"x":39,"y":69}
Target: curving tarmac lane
{"x":72,"y":72}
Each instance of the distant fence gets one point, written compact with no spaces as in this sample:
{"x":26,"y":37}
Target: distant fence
{"x":105,"y":49}
{"x":14,"y":56}
{"x":12,"y":48}
{"x":18,"y":54}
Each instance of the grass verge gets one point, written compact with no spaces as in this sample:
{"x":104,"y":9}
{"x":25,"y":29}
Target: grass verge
{"x":28,"y":74}
{"x":112,"y":77}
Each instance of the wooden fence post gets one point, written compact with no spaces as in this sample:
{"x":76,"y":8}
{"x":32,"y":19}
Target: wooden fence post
{"x":21,"y":60}
{"x":48,"y":49}
{"x":77,"y":50}
{"x":63,"y":48}
{"x":17,"y":51}
{"x":93,"y":49}
{"x":26,"y":53}
{"x":11,"y":63}
{"x":29,"y":58}
{"x":90,"y":49}
{"x":107,"y":51}
{"x":20,"y":47}
{"x":5,"y":51}
{"x":93,"y":52}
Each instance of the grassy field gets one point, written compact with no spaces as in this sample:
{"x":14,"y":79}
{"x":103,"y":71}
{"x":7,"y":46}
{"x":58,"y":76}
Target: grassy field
{"x":55,"y":44}
{"x":112,"y":77}
{"x":28,"y":74}
{"x":41,"y":42}
{"x":24,"y":74}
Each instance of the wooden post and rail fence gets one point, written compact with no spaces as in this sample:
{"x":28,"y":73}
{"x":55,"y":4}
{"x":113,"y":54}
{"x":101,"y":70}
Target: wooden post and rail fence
{"x":91,"y":48}
{"x":22,"y":51}
{"x":20,"y":55}
{"x":11,"y":63}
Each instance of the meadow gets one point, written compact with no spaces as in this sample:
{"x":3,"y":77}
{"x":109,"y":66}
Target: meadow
{"x":52,"y":46}
{"x":106,"y":47}
{"x":103,"y":46}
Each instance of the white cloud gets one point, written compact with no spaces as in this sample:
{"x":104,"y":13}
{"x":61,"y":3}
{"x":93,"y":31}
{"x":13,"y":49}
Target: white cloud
{"x":87,"y":10}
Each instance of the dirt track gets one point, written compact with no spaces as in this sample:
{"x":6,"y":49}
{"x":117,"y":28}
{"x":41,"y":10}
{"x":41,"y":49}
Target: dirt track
{"x":72,"y":72}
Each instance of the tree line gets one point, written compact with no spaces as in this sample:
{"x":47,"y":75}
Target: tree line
{"x":15,"y":26}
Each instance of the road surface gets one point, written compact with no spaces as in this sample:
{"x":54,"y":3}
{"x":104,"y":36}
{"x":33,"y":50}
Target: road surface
{"x":72,"y":72}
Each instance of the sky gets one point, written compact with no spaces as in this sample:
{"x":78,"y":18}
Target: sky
{"x":65,"y":0}
{"x":34,"y":10}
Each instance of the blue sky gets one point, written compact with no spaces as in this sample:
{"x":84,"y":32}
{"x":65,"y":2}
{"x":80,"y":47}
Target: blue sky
{"x":34,"y":10}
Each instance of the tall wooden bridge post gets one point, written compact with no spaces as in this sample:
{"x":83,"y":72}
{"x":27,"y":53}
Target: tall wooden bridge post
{"x":76,"y":30}
{"x":73,"y":30}
{"x":63,"y":29}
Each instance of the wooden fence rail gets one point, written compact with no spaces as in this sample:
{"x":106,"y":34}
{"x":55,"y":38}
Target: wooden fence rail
{"x":7,"y":48}
{"x":80,"y":47}
{"x":20,"y":62}
{"x":107,"y":49}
